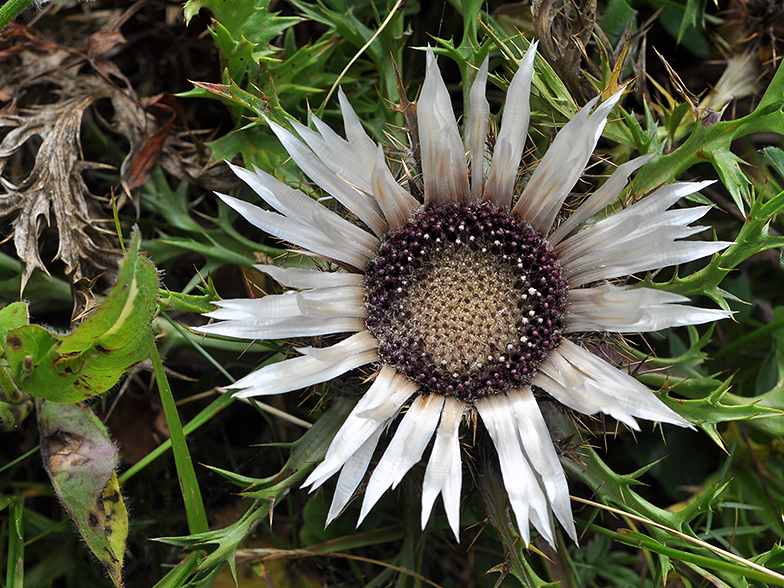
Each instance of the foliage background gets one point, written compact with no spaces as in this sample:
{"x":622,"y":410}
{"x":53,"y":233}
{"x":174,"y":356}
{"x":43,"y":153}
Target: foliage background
{"x":164,"y":102}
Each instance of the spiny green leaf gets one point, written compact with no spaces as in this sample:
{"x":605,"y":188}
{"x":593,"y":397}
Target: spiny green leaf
{"x":752,"y":238}
{"x":693,"y":16}
{"x":348,"y":27}
{"x":250,"y":19}
{"x":226,"y":540}
{"x":231,"y":93}
{"x":773,"y":558}
{"x":238,"y":479}
{"x":707,"y":413}
{"x":727,"y":165}
{"x":613,"y":488}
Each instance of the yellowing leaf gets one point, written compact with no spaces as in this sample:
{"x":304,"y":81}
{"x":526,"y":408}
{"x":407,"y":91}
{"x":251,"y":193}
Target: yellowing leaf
{"x":80,"y":460}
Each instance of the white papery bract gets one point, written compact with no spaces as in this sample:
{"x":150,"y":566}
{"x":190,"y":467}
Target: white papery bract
{"x":592,"y":255}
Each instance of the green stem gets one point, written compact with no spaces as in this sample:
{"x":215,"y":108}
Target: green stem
{"x":189,"y":485}
{"x":21,"y":458}
{"x":11,"y":9}
{"x":185,"y":334}
{"x":743,"y":342}
{"x":641,"y":541}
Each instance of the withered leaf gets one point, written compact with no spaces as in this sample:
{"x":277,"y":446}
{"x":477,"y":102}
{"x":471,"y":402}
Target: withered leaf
{"x":32,"y":73}
{"x":564,"y":27}
{"x":137,"y":168}
{"x":55,"y":184}
{"x":80,"y":459}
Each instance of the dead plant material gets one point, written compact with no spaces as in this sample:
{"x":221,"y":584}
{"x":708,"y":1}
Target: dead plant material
{"x":47,"y":89}
{"x":55,"y":183}
{"x":756,"y":26}
{"x":564,"y":28}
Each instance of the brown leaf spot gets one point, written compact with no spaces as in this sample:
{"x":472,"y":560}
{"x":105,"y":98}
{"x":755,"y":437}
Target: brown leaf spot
{"x":113,"y":497}
{"x":60,"y":451}
{"x":93,"y":521}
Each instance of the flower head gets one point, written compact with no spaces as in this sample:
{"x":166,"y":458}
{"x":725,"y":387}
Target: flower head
{"x":464,"y":303}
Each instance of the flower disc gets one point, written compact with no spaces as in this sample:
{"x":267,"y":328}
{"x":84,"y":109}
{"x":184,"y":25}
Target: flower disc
{"x":465,"y":300}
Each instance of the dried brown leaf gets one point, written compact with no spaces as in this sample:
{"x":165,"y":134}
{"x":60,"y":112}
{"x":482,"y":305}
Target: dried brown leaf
{"x":55,"y":184}
{"x":564,"y":28}
{"x":678,"y":83}
{"x":47,"y":88}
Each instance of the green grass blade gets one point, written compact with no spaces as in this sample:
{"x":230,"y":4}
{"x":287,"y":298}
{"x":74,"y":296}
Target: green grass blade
{"x":15,"y":569}
{"x":189,"y":485}
{"x":10,"y":10}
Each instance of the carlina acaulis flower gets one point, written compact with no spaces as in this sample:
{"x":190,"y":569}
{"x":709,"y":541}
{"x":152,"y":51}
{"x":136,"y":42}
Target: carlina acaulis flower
{"x":464,"y":302}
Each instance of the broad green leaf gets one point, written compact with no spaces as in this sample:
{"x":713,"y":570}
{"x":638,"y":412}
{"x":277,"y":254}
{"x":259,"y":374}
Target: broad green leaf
{"x":129,"y":307}
{"x":80,"y":460}
{"x":94,"y":356}
{"x":12,"y":316}
{"x":15,"y":405}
